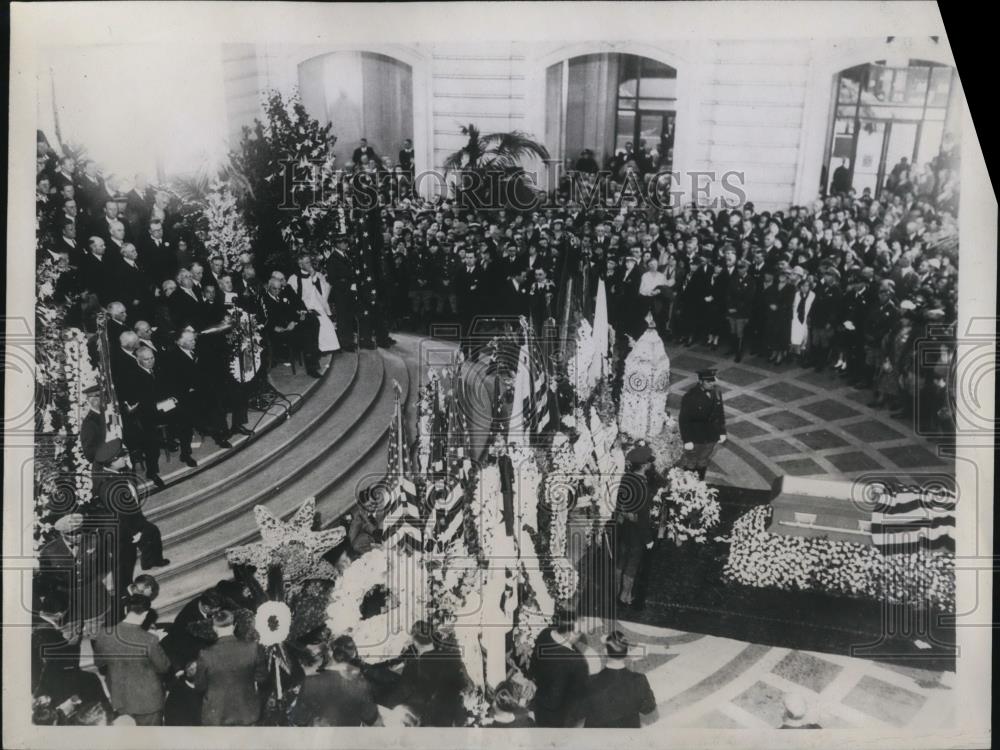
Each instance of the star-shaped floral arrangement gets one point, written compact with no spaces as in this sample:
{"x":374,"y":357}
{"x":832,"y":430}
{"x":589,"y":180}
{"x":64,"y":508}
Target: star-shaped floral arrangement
{"x":293,"y":546}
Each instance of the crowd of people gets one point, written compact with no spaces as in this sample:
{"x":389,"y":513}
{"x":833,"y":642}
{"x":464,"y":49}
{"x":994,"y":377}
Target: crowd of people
{"x":864,"y":285}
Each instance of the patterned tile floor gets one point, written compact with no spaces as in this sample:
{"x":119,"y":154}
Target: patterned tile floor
{"x":702,"y":681}
{"x":790,"y":420}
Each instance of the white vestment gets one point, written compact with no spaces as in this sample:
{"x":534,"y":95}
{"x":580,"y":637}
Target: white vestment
{"x":315,"y":291}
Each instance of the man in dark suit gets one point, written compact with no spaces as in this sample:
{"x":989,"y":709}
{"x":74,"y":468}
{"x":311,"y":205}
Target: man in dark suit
{"x":560,"y":674}
{"x":91,"y":191}
{"x":468,"y":290}
{"x":131,"y":285}
{"x":133,"y":662}
{"x":101,"y":226}
{"x":156,"y":404}
{"x":154,"y":255}
{"x":119,"y":505}
{"x":115,"y":241}
{"x":67,"y":242}
{"x":702,"y":422}
{"x":195,"y":404}
{"x":616,"y":696}
{"x":343,"y":292}
{"x":139,"y":205}
{"x":285,"y":315}
{"x":181,"y":644}
{"x":65,"y":174}
{"x":406,"y":158}
{"x":364,"y":149}
{"x":227,"y":675}
{"x":53,"y":655}
{"x":432,"y":679}
{"x":185,"y":304}
{"x":96,"y":271}
{"x":632,"y":310}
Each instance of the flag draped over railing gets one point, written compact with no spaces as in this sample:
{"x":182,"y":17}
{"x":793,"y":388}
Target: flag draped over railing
{"x":402,"y":524}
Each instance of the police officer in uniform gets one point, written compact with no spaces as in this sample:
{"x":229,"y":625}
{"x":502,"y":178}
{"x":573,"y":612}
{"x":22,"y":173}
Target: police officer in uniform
{"x":702,"y":423}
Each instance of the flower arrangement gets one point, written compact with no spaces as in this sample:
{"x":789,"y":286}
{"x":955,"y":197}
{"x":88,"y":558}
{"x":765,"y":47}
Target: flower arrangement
{"x":227,"y":233}
{"x":578,"y":364}
{"x":691,"y":507}
{"x":273,"y":623}
{"x":566,"y":579}
{"x":761,"y":559}
{"x":247,"y":346}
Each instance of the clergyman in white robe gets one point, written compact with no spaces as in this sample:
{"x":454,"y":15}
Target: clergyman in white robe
{"x":314,"y":291}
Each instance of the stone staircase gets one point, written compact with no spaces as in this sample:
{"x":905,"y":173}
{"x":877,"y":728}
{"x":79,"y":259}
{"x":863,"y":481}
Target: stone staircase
{"x":325,"y":449}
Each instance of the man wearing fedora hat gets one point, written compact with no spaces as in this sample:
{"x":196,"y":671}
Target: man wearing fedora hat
{"x":616,"y":695}
{"x":702,"y":422}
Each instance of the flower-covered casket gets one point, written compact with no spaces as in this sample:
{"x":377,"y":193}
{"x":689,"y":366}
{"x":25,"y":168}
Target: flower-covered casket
{"x":890,"y":544}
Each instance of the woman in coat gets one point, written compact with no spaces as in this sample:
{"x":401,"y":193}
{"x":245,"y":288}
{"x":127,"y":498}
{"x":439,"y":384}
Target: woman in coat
{"x":778,"y":319}
{"x":801,"y":305}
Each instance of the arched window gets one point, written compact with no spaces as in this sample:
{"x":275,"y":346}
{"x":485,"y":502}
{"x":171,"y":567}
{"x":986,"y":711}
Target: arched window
{"x":602,"y":102}
{"x":887,"y":119}
{"x":364,"y":95}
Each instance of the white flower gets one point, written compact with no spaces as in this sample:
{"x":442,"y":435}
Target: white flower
{"x":272,"y":622}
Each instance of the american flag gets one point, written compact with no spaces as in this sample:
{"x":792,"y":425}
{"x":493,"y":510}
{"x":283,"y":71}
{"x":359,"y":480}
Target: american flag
{"x":401,"y":527}
{"x":908,"y":519}
{"x":450,"y":504}
{"x":532,"y":400}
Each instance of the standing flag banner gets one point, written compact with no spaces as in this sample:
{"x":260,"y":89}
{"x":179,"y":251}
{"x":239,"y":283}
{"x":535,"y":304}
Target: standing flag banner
{"x":532,"y":409}
{"x":598,"y":365}
{"x":402,"y":524}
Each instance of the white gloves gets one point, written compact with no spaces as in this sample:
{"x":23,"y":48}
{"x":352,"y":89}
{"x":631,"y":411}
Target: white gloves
{"x":689,"y":446}
{"x":722,"y":439}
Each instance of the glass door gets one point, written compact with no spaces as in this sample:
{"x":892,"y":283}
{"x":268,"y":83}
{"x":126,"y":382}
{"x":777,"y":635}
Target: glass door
{"x":902,"y":144}
{"x":867,"y":160}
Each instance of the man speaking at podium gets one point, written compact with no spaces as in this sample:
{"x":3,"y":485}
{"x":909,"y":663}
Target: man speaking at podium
{"x":702,"y":422}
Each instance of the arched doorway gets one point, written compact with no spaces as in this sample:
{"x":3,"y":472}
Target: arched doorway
{"x":363,"y":95}
{"x":604,"y":101}
{"x":883,"y":114}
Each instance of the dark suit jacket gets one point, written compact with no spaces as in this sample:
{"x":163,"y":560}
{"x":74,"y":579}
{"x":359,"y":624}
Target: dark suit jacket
{"x":159,"y":262}
{"x":134,"y":661}
{"x":431,"y":684}
{"x":133,"y":288}
{"x":185,"y":310}
{"x":561,"y":676}
{"x":52,"y":656}
{"x":96,"y":276}
{"x":280,"y":312}
{"x":228,"y":671}
{"x":93,"y":432}
{"x":185,"y":376}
